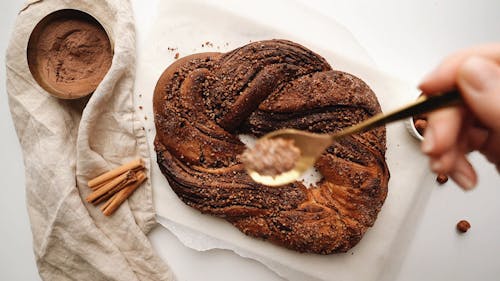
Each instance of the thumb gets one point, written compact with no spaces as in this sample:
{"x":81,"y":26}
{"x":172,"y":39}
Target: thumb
{"x":479,"y":82}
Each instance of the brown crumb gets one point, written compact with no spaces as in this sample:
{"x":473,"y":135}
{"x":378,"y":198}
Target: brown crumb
{"x":463,"y":226}
{"x":442,"y":178}
{"x":420,"y":125}
{"x":176,"y":56}
{"x":145,"y":118}
{"x":140,"y":107}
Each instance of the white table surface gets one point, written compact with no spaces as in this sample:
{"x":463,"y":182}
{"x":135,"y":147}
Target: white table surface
{"x":404,"y":38}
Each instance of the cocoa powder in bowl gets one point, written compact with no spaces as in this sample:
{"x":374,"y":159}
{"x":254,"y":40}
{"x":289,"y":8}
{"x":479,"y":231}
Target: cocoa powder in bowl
{"x":69,"y":53}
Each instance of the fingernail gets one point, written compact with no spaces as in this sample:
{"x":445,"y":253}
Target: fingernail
{"x":428,"y":142}
{"x":477,"y":75}
{"x":429,"y":76}
{"x":424,"y":79}
{"x":463,"y":181}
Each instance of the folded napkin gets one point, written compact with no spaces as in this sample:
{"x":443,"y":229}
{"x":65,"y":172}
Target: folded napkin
{"x":67,"y":142}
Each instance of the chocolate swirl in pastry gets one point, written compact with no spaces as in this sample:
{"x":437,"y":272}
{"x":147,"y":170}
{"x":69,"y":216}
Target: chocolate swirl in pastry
{"x":203,"y":101}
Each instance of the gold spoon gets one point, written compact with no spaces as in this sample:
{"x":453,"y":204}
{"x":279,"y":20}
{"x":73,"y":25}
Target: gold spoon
{"x":312,"y":145}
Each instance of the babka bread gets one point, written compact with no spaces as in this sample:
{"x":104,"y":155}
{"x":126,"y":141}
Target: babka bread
{"x":202,"y":102}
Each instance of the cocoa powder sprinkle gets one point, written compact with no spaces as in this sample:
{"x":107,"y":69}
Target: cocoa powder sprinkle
{"x":271,"y":157}
{"x":72,"y":55}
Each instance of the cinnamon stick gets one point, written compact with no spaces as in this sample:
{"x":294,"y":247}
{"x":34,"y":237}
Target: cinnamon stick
{"x":99,"y":185}
{"x":115,"y":189}
{"x":104,"y":183}
{"x":112,"y":205}
{"x":128,"y":176}
{"x":133,"y":165}
{"x":106,"y":205}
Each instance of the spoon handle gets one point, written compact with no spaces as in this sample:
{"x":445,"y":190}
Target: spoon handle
{"x":422,"y":105}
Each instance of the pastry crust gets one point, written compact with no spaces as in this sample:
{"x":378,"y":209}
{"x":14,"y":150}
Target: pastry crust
{"x":203,"y":101}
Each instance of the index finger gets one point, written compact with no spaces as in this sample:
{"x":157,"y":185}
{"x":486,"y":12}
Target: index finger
{"x":444,"y":77}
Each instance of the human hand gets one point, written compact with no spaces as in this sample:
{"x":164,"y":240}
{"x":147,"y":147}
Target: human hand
{"x":453,"y":132}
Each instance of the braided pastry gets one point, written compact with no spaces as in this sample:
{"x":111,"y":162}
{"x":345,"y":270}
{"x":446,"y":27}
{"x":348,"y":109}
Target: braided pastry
{"x":203,"y":101}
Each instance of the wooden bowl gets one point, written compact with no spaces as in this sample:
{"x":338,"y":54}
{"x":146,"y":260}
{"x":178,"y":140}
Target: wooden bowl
{"x":69,"y":53}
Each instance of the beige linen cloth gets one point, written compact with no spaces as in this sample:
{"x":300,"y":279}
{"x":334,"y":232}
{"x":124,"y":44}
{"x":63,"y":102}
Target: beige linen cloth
{"x":65,"y":143}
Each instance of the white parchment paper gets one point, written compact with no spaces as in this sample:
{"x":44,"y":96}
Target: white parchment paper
{"x":182,"y":27}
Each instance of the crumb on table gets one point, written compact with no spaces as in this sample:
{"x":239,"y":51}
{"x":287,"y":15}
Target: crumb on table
{"x":463,"y":226}
{"x":442,"y":178}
